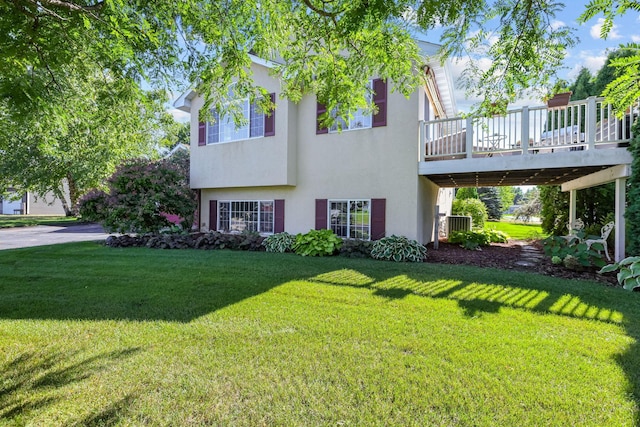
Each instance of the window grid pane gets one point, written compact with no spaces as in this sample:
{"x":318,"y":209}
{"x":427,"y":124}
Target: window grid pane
{"x":338,"y":217}
{"x":359,"y":219}
{"x":223,"y":216}
{"x":256,"y":121}
{"x":266,"y":217}
{"x":213,"y":129}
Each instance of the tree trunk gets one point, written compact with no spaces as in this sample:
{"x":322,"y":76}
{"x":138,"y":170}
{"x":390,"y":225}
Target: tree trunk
{"x":60,"y":196}
{"x":73,"y":195}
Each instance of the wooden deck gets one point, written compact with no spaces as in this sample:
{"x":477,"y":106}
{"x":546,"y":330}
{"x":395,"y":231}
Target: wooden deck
{"x":527,"y":146}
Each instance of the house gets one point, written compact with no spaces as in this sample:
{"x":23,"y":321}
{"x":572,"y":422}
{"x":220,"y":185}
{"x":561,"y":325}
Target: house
{"x":30,"y":204}
{"x":284,"y":172}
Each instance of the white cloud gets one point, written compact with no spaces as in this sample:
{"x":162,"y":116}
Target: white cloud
{"x":595,"y":31}
{"x":557,"y":24}
{"x":179,"y":115}
{"x":590,"y":60}
{"x":635,"y":38}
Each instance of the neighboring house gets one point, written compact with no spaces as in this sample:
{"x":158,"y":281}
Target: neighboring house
{"x":30,"y":204}
{"x":284,"y":172}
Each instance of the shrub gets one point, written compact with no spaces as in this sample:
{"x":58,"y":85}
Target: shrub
{"x":279,"y":242}
{"x":472,"y":207}
{"x":556,"y":246}
{"x":141,"y":196}
{"x":317,"y":243}
{"x":398,"y":249}
{"x":356,"y":248}
{"x":476,"y":238}
{"x":629,"y":274}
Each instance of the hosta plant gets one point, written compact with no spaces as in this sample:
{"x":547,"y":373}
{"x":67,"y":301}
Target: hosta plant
{"x":399,"y":249}
{"x":628,"y":274}
{"x":279,"y":242}
{"x":317,"y":243}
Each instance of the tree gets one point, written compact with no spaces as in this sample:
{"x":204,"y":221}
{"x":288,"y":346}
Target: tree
{"x":467,"y":193}
{"x":93,"y":123}
{"x":330,"y":49}
{"x":142,"y":194}
{"x":583,"y":86}
{"x":507,"y":196}
{"x":491,"y":199}
{"x":473,"y":208}
{"x":623,"y":90}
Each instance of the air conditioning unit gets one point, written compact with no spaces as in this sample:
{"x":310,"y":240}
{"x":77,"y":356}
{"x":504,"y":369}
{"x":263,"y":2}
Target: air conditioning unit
{"x":458,"y":223}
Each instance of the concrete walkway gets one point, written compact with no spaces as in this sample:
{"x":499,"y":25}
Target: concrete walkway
{"x":40,"y":235}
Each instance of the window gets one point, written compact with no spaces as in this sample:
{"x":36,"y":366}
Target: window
{"x":359,"y":120}
{"x":223,"y":129}
{"x":350,"y":218}
{"x":246,"y":215}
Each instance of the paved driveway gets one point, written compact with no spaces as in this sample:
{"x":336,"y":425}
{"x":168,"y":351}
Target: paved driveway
{"x":22,"y":237}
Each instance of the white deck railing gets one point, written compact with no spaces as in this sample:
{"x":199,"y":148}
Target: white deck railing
{"x":578,"y":126}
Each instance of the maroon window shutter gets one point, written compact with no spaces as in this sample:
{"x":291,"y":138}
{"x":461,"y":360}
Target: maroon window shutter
{"x":270,"y":119}
{"x":278,"y":216}
{"x":380,"y":99}
{"x":321,"y":214}
{"x":378,"y":218}
{"x":202,"y":133}
{"x":213,"y":215}
{"x":320,"y":109}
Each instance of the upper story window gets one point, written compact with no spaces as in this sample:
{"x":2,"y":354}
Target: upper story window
{"x":359,"y":119}
{"x":223,"y":129}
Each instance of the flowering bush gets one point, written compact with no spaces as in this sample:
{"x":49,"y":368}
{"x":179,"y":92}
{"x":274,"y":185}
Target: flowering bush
{"x":142,"y":195}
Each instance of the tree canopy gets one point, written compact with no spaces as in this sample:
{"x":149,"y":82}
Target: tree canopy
{"x":330,"y":49}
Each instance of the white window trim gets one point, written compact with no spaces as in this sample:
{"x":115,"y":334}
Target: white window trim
{"x":348,"y":201}
{"x":264,"y":233}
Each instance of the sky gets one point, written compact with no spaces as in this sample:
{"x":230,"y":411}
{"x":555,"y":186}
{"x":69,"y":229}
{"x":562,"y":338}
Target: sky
{"x":590,"y":50}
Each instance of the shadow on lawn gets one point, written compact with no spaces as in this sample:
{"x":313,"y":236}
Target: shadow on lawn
{"x":33,"y":381}
{"x":484,"y":291}
{"x":181,"y":286}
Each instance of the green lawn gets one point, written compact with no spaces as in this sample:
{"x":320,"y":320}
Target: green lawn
{"x":8,"y":221}
{"x":97,"y":336}
{"x":518,"y":230}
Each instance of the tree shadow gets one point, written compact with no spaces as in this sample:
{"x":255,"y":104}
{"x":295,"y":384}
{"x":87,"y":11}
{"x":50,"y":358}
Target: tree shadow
{"x":30,"y":381}
{"x":482,"y":291}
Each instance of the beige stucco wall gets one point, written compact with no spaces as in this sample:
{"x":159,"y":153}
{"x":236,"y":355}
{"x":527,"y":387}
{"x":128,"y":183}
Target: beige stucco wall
{"x":359,"y":164}
{"x":266,"y":161}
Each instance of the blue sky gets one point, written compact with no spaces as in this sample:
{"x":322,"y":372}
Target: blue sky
{"x":590,"y":50}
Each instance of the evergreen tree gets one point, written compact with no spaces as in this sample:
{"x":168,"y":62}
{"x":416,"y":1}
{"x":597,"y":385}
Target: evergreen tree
{"x":491,"y":199}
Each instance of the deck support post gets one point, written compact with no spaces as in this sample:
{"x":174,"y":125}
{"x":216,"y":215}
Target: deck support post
{"x":572,"y":206}
{"x":619,"y":231}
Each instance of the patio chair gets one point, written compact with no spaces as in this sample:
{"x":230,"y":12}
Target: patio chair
{"x":604,"y":233}
{"x":574,"y":229}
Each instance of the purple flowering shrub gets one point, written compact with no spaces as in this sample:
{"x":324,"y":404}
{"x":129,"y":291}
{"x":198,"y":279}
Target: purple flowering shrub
{"x":142,"y":195}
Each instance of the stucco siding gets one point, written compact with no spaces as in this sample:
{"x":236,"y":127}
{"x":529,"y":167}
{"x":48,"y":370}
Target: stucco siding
{"x":263,"y":161}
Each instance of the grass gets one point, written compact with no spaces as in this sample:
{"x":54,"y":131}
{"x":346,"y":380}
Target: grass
{"x":518,"y":231}
{"x":97,"y":336}
{"x":9,"y":221}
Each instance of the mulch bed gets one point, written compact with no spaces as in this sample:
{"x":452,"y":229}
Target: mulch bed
{"x":504,"y":256}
